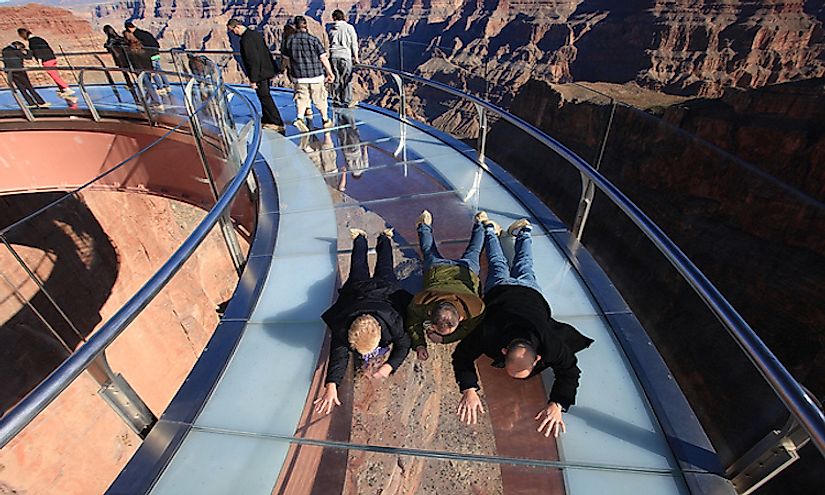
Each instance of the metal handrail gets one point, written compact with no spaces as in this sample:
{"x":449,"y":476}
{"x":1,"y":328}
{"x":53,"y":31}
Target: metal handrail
{"x":788,"y":389}
{"x":50,"y":388}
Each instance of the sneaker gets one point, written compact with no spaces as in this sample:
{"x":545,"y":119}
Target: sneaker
{"x":66,"y":92}
{"x":388,"y":232}
{"x":301,"y":125}
{"x":482,"y":218}
{"x":45,"y":104}
{"x":356,"y":232}
{"x":159,"y":107}
{"x":274,"y":127}
{"x":518,"y":226}
{"x":352,"y":104}
{"x":327,"y":124}
{"x":426,"y":218}
{"x":164,"y":91}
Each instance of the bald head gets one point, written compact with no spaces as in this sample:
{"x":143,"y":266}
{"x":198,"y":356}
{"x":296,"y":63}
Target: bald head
{"x":520,"y":358}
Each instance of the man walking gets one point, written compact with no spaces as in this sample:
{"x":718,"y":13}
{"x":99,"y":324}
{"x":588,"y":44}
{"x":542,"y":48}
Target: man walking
{"x":307,"y":63}
{"x":519,"y":333}
{"x":343,"y":52}
{"x":257,"y":62}
{"x":152,"y":47}
{"x":41,"y":50}
{"x":13,"y":56}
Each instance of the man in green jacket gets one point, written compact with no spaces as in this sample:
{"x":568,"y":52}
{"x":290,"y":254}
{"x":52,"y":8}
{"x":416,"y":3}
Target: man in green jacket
{"x":450,"y":305}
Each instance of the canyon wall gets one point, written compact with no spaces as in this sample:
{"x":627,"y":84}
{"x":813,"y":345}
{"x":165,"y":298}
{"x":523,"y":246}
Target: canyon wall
{"x":682,"y":46}
{"x":741,"y":194}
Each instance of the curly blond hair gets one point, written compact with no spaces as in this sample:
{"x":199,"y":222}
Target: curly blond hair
{"x":364,"y":334}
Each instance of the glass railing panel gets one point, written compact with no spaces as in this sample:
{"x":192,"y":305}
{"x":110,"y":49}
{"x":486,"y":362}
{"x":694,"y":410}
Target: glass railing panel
{"x":550,"y":177}
{"x":34,"y":336}
{"x":724,"y":388}
{"x":750,"y":228}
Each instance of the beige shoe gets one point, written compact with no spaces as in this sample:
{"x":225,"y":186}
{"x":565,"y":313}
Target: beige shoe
{"x":483,"y":219}
{"x":515,"y":228}
{"x":356,"y":232}
{"x":327,"y":124}
{"x":426,"y":218}
{"x":274,"y":127}
{"x":389,"y":232}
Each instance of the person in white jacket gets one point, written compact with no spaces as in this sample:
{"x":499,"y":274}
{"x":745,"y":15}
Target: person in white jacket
{"x":343,"y":52}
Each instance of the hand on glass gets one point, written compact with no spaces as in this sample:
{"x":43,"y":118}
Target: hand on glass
{"x":469,"y":407}
{"x":382,"y":372}
{"x":422,"y":353}
{"x":327,"y":401}
{"x":550,"y":418}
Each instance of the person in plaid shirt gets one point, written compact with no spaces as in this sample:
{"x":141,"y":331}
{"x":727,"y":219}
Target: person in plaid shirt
{"x":308,"y":67}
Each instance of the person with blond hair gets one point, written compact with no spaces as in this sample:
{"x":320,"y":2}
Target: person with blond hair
{"x":366,"y":319}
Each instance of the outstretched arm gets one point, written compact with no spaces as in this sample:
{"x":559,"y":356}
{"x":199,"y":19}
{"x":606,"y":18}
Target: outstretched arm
{"x":464,"y":357}
{"x":416,"y":314}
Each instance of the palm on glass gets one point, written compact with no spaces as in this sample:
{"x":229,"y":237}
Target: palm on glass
{"x":550,"y":420}
{"x":470,"y":407}
{"x":328,"y":401}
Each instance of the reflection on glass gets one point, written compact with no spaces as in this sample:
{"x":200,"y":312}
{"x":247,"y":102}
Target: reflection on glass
{"x":355,"y":154}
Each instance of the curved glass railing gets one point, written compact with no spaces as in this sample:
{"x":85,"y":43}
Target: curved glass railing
{"x":67,"y":279}
{"x":611,"y":211}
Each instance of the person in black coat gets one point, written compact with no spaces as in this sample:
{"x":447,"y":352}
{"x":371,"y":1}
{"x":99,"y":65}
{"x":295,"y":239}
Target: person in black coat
{"x":118,"y":48}
{"x":141,"y":62}
{"x":41,"y":50}
{"x":519,"y":333}
{"x":13,"y":56}
{"x":366,"y":318}
{"x":152,"y":47}
{"x":259,"y":68}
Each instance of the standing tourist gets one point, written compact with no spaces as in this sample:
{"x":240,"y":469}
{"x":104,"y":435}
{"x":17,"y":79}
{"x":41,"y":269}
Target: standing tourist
{"x":13,"y":56}
{"x":152,"y":47}
{"x":41,"y":50}
{"x":259,"y":67}
{"x":307,"y":62}
{"x":141,"y":63}
{"x":343,"y":52}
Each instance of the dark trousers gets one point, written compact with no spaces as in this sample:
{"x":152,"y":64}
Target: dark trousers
{"x":24,"y":85}
{"x":269,"y":112}
{"x":360,"y":270}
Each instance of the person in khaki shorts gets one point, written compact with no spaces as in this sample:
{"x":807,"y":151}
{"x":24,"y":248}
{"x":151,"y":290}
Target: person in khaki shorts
{"x":308,"y":67}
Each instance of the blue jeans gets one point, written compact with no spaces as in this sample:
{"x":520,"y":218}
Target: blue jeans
{"x":433,"y":258}
{"x":499,"y":272}
{"x":149,"y":92}
{"x":160,"y":79}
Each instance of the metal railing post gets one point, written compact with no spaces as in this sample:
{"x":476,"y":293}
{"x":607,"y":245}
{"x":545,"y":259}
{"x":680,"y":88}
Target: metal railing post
{"x":19,"y":99}
{"x":142,"y":95}
{"x":87,"y":98}
{"x":481,"y":143}
{"x":121,"y":397}
{"x":588,"y":189}
{"x":401,"y":55}
{"x":225,"y":221}
{"x":402,"y":102}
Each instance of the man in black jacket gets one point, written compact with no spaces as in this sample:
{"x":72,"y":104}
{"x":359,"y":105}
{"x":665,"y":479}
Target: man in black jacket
{"x":259,"y":67}
{"x":152,"y":47}
{"x":366,"y":317}
{"x":41,"y":50}
{"x":519,"y":334}
{"x":13,"y":56}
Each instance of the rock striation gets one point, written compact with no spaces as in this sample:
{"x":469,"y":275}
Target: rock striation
{"x":678,"y":46}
